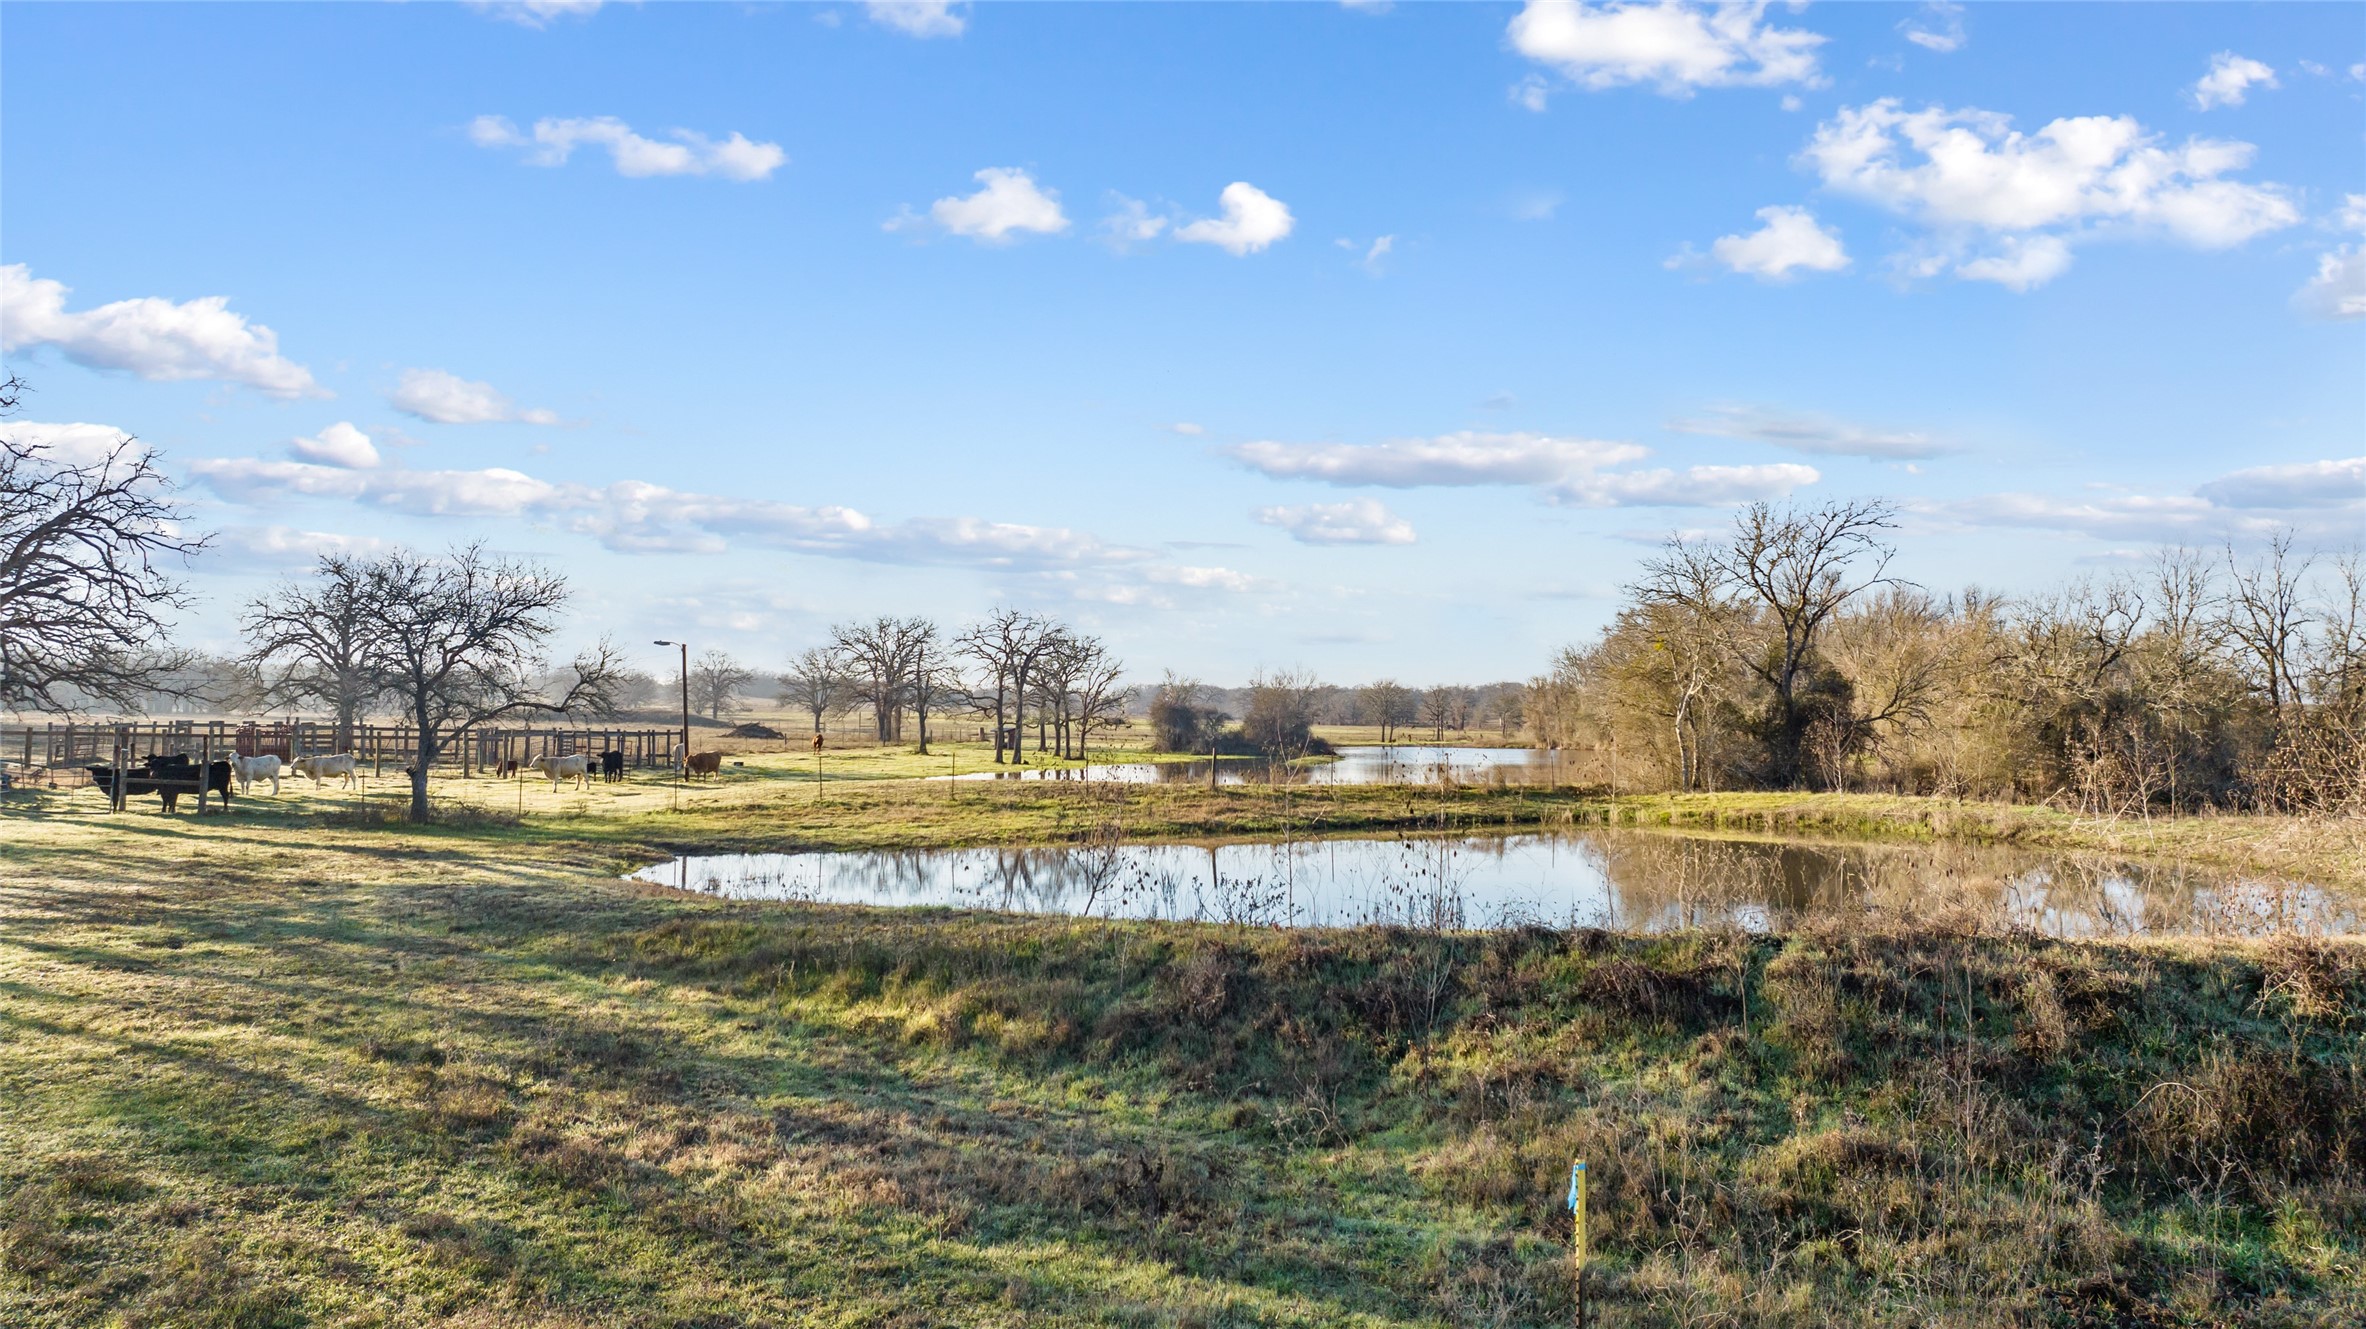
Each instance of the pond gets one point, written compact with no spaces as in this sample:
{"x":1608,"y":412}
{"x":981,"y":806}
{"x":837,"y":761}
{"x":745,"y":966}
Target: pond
{"x":1397,"y":763}
{"x":1628,"y":879}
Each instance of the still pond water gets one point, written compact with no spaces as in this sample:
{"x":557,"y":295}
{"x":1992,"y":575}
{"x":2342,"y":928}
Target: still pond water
{"x":1398,"y":763}
{"x":1637,"y":880}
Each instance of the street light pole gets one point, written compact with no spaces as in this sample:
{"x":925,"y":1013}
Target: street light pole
{"x":684,"y":770}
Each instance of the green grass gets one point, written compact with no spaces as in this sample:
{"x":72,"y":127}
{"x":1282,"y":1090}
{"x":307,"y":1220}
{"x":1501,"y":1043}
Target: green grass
{"x":303,"y":1066}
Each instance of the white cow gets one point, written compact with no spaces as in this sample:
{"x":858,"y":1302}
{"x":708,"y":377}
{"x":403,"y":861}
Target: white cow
{"x":250,"y":769}
{"x":320,"y":768}
{"x":560,"y":769}
{"x":676,"y":757}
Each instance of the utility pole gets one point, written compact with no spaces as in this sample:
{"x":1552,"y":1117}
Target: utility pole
{"x":684,"y":772}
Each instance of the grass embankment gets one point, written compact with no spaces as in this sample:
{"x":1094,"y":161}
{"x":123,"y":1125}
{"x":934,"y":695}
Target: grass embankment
{"x":367,"y":1075}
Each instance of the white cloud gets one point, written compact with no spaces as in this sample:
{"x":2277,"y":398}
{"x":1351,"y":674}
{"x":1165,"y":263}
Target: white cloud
{"x":1187,"y":429}
{"x":1694,"y":486}
{"x":1252,"y":220}
{"x":2020,"y":263}
{"x":919,"y":18}
{"x":1465,"y":458}
{"x":1571,"y":471}
{"x":151,"y":337}
{"x":447,"y":399}
{"x":241,"y":547}
{"x":555,"y":140}
{"x":1789,"y":240}
{"x":1007,"y":201}
{"x":1132,"y":224}
{"x":1939,"y":27}
{"x":69,"y":444}
{"x":2353,"y":212}
{"x":2230,"y":80}
{"x":1967,"y":174}
{"x":1381,"y":248}
{"x":339,"y":445}
{"x":1673,"y":46}
{"x":1530,"y":93}
{"x":1360,"y":521}
{"x":536,"y":13}
{"x":2320,"y":500}
{"x":2308,"y":484}
{"x":2339,"y":288}
{"x":635,"y":516}
{"x":1820,"y":435}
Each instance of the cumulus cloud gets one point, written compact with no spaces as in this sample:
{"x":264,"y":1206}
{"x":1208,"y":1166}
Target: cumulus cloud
{"x":2230,"y":80}
{"x":1252,"y":220}
{"x":2007,"y":206}
{"x":1694,"y":486}
{"x":1674,"y":47}
{"x":69,"y":444}
{"x":1816,"y":434}
{"x":1570,"y":471}
{"x":242,"y":547}
{"x":445,"y":398}
{"x":340,"y":445}
{"x":1465,"y":458}
{"x":554,"y":140}
{"x":1789,"y":241}
{"x":151,"y":337}
{"x":919,"y":18}
{"x":2320,"y":500}
{"x":2339,"y":288}
{"x":2308,"y":484}
{"x":1008,"y":201}
{"x":1132,"y":224}
{"x":1937,"y":27}
{"x":636,"y":516}
{"x":1360,"y":521}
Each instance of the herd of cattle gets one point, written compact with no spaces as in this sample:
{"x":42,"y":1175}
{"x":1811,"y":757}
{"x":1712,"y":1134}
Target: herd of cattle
{"x":169,"y":777}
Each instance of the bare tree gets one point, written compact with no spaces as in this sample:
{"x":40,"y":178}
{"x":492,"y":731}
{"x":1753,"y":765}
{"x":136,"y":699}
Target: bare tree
{"x":715,"y":683}
{"x":83,"y":596}
{"x":1778,"y":579}
{"x":815,"y":683}
{"x":1437,"y":707}
{"x":1279,"y":718}
{"x":883,"y":656}
{"x":1100,"y":703}
{"x":1008,"y":645}
{"x":1386,"y":703}
{"x":310,"y":641}
{"x":457,"y":642}
{"x":2265,"y":612}
{"x":929,"y":679}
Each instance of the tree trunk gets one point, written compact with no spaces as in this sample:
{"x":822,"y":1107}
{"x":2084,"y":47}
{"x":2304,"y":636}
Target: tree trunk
{"x":419,"y":766}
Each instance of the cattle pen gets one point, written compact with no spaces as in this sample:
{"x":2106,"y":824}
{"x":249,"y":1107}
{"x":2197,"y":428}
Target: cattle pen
{"x":59,"y":754}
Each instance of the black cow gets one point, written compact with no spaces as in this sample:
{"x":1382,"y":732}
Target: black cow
{"x":167,"y":777}
{"x":612,"y":766}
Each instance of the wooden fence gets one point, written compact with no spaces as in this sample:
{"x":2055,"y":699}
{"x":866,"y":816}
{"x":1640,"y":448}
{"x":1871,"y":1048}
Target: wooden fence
{"x":59,"y":753}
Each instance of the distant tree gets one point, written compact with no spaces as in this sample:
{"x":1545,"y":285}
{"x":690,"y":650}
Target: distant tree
{"x":2265,"y":612}
{"x":1181,"y":717}
{"x":881,"y":655}
{"x":636,"y":688}
{"x":1008,"y":645}
{"x":84,"y":597}
{"x":457,"y":642}
{"x":1279,"y":720}
{"x":1100,"y":703}
{"x":930,"y":679}
{"x":715,"y":683}
{"x":1437,"y":710}
{"x":1386,"y":703}
{"x":816,"y":683}
{"x":310,"y":641}
{"x":1507,"y":706}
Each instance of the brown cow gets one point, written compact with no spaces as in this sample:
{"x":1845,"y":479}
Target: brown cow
{"x":703,"y":763}
{"x":817,"y":740}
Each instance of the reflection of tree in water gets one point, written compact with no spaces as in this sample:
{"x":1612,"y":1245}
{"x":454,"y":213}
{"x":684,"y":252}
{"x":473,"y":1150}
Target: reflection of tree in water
{"x":1654,"y":881}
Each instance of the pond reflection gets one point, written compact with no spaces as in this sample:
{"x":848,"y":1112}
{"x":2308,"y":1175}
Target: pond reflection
{"x":1635,"y":880}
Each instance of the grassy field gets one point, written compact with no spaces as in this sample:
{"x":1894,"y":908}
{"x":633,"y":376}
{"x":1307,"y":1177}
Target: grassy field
{"x":305,"y":1065}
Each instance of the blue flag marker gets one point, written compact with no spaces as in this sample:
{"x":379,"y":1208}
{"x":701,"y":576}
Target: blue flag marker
{"x":1574,"y":1169}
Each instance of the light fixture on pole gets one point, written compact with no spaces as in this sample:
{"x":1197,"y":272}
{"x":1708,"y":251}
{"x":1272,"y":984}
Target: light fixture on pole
{"x":684,"y":771}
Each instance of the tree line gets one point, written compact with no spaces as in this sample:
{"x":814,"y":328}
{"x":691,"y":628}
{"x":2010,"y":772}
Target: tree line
{"x":1786,"y":653}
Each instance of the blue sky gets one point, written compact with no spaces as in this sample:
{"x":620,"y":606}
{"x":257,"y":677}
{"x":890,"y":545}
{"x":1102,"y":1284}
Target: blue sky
{"x":1373,"y":340}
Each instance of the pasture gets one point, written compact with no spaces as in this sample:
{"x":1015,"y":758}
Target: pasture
{"x":301,"y":1063}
